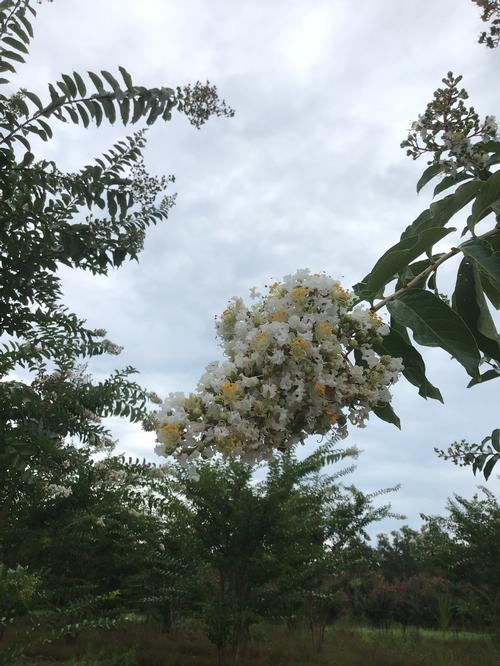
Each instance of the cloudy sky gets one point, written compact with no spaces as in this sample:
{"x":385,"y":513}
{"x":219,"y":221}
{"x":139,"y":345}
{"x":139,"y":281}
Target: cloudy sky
{"x":309,"y":173}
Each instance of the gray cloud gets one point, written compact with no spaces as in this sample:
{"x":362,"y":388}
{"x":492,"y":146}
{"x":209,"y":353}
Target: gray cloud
{"x":309,"y":173}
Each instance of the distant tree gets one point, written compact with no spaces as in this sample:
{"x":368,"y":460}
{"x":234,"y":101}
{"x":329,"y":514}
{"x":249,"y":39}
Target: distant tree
{"x":328,"y":523}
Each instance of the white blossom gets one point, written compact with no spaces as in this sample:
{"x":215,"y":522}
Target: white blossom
{"x":288,"y":372}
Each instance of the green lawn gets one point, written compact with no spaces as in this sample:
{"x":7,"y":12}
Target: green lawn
{"x":141,"y":644}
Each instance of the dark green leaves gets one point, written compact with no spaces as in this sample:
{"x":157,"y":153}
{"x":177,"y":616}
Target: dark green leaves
{"x":397,"y":258}
{"x":484,"y":256}
{"x":485,"y":462}
{"x":127,"y":79}
{"x":80,"y":84}
{"x":470,"y":303}
{"x":440,"y":212}
{"x":450,"y":181}
{"x":428,"y":175}
{"x":386,"y":413}
{"x":489,"y":195}
{"x":435,"y":324}
{"x":397,"y":344}
{"x":485,"y":377}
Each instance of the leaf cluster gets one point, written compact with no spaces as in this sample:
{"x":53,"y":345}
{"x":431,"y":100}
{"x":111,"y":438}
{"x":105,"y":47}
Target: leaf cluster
{"x":93,"y":219}
{"x":461,"y":324}
{"x":491,"y":13}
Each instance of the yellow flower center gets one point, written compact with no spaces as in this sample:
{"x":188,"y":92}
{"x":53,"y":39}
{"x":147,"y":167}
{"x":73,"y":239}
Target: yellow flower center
{"x":230,"y":391}
{"x":332,"y":417}
{"x":262,"y":341}
{"x":299,"y":293}
{"x":299,"y":347}
{"x":323,"y":329}
{"x":280,"y":315}
{"x":376,"y":320}
{"x":274,"y":287}
{"x":320,"y":388}
{"x":171,"y":433}
{"x":339,"y":291}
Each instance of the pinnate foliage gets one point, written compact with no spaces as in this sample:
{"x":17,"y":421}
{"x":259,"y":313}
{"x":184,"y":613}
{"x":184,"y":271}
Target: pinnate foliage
{"x":92,"y":219}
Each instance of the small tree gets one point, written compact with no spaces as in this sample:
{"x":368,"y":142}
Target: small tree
{"x":93,"y":219}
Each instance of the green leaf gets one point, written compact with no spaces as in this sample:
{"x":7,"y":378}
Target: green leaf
{"x":397,"y":344}
{"x":6,"y":66}
{"x":491,"y":146}
{"x":489,"y":194}
{"x":440,"y":212}
{"x":396,"y":258}
{"x":139,"y":107}
{"x":491,"y":291}
{"x":468,"y":300}
{"x":19,"y":32}
{"x":70,"y":84}
{"x":428,"y":175}
{"x":126,"y":78}
{"x":83,"y":115}
{"x":34,"y":98}
{"x":109,"y":109}
{"x":414,"y":269}
{"x":46,"y":127}
{"x":11,"y":55}
{"x":479,"y":462}
{"x":386,"y":413}
{"x":98,"y":113}
{"x":82,"y":89}
{"x":64,"y":88}
{"x":26,"y":24}
{"x":15,"y":44}
{"x":125,"y":110}
{"x":435,"y":324}
{"x":72,"y":114}
{"x":450,"y":181}
{"x":112,"y":207}
{"x":488,"y":468}
{"x":483,"y":254}
{"x":111,"y":80}
{"x":119,"y":255}
{"x":485,"y":377}
{"x":54,"y":95}
{"x":495,"y":439}
{"x":96,"y":81}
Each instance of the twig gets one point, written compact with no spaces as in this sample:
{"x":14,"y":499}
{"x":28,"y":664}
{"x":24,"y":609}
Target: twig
{"x":430,"y":269}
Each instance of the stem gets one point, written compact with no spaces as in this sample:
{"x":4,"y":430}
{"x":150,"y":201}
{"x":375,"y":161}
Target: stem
{"x":430,"y":269}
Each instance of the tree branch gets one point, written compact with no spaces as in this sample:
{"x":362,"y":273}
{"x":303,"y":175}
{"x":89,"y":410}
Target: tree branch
{"x":429,"y":270}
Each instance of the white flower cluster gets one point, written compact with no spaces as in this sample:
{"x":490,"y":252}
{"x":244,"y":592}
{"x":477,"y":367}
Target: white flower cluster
{"x":58,"y":491}
{"x":462,"y":150}
{"x":288,"y":374}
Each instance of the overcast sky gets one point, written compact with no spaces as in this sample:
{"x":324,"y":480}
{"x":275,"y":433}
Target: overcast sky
{"x":309,"y":173}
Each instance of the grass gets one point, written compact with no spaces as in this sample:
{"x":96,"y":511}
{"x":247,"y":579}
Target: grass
{"x":141,"y":644}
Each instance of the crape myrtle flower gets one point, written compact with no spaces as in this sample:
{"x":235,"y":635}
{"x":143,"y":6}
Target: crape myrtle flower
{"x":300,"y":361}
